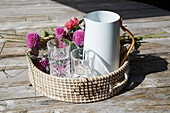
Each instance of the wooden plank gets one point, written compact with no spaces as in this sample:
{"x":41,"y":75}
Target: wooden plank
{"x":138,"y":100}
{"x":148,"y":27}
{"x":145,"y":26}
{"x":15,"y":52}
{"x":10,"y":63}
{"x":13,"y":49}
{"x":48,"y":12}
{"x":16,"y":85}
{"x":148,"y":19}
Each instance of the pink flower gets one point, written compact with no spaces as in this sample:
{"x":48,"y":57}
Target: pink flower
{"x":60,"y":43}
{"x":69,"y":24}
{"x":42,"y":63}
{"x":33,"y":40}
{"x":60,"y":32}
{"x":75,"y":20}
{"x":78,"y":37}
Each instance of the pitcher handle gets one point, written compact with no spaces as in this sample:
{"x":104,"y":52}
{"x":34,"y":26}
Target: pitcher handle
{"x":132,"y":44}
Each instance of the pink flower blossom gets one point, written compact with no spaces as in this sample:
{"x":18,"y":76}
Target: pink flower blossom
{"x":33,"y":40}
{"x":69,"y":24}
{"x":78,"y":37}
{"x":42,"y":63}
{"x":75,"y":20}
{"x":60,"y":32}
{"x":60,"y":43}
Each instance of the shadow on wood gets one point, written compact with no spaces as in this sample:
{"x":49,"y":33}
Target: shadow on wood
{"x":159,"y":3}
{"x":142,"y":65}
{"x":126,"y":8}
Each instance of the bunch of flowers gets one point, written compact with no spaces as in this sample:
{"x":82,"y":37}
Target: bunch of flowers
{"x":73,"y":32}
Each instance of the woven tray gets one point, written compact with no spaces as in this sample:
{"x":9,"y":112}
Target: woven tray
{"x":78,"y":90}
{"x":81,"y":90}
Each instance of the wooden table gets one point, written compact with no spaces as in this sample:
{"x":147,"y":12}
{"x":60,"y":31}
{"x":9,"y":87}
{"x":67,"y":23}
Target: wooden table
{"x":148,"y":88}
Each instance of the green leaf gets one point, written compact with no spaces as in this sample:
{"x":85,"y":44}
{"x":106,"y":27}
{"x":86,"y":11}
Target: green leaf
{"x":158,"y":37}
{"x":135,"y":34}
{"x":75,"y":27}
{"x":71,"y":43}
{"x":41,"y":37}
{"x":46,"y":34}
{"x":138,"y":38}
{"x":81,"y":21}
{"x":137,"y":45}
{"x":147,"y":36}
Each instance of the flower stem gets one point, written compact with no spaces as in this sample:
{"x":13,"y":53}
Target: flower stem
{"x":2,"y":47}
{"x":12,"y":34}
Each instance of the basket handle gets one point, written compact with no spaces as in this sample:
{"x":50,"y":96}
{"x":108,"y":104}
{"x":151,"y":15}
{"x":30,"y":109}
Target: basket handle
{"x":132,"y":44}
{"x":121,"y":83}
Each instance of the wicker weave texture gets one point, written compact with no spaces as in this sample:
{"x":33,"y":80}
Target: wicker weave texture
{"x":78,"y":90}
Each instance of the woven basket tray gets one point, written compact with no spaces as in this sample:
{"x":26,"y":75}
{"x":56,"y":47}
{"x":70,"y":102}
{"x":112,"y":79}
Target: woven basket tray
{"x":81,"y":90}
{"x":78,"y":90}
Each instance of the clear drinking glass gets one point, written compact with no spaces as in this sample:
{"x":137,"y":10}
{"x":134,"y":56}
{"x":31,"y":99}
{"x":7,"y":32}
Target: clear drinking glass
{"x":82,"y":63}
{"x":59,"y":58}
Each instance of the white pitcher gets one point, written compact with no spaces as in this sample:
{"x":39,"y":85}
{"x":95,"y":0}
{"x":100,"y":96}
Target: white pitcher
{"x":102,"y":35}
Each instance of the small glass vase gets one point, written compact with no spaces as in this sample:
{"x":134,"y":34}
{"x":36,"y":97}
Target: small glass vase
{"x":82,"y":63}
{"x":59,"y":57}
